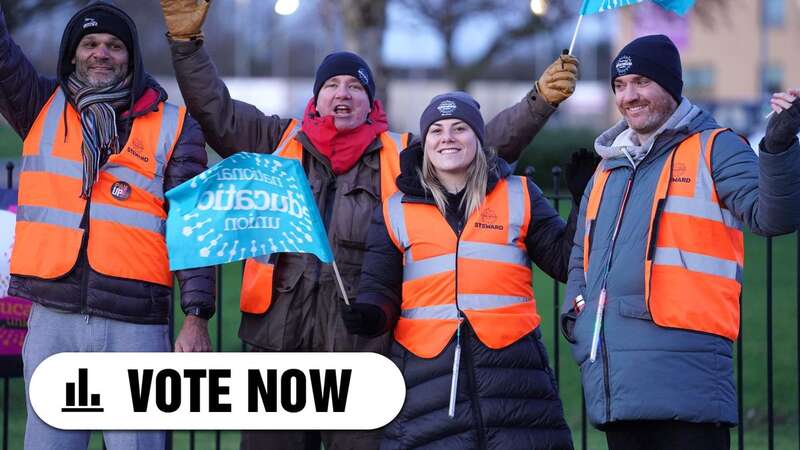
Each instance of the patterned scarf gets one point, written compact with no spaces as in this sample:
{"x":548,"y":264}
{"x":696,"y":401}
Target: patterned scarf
{"x":96,"y":106}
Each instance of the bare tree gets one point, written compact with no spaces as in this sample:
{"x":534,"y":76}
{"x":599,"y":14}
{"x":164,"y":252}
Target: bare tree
{"x":20,"y":12}
{"x":514,"y":20}
{"x":516,"y":24}
{"x":364,"y":26}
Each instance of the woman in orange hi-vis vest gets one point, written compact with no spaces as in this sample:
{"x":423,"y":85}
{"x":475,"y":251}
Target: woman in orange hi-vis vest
{"x":448,"y":269}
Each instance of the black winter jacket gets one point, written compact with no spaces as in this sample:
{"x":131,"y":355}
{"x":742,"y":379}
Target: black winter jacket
{"x":507,"y":398}
{"x":23,"y":93}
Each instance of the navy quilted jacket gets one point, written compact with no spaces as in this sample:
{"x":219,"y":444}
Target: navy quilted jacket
{"x":23,"y":93}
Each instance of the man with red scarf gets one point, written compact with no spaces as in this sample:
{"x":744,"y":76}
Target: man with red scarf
{"x":290,"y":301}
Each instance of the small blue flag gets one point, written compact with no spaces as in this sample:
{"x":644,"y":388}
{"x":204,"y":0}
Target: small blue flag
{"x":248,"y":205}
{"x":679,"y":7}
{"x":598,"y":6}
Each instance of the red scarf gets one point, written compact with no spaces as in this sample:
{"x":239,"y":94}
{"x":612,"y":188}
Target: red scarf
{"x":343,"y":148}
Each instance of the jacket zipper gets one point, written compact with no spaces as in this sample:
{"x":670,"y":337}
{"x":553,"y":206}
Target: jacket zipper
{"x":460,"y":227}
{"x":477,"y":415}
{"x":451,"y":409}
{"x":329,"y":191}
{"x":602,"y":335}
{"x":84,"y":254}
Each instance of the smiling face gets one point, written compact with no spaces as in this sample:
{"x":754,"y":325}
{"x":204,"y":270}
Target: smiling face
{"x":344,"y":98}
{"x":643,"y":103}
{"x":101,"y":60}
{"x":450,"y":145}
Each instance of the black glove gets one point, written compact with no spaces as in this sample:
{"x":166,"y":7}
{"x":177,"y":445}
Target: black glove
{"x":782,"y":129}
{"x":568,"y":320}
{"x":364,"y":319}
{"x":578,"y":171}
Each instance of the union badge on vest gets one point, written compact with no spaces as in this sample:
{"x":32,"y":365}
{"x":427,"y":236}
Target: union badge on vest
{"x":121,"y":190}
{"x":488,"y":215}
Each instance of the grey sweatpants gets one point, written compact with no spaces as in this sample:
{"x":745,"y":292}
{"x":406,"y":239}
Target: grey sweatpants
{"x":51,"y":331}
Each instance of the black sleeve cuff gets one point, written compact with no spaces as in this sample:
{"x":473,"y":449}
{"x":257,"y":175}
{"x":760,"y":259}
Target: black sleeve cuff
{"x":202,"y":313}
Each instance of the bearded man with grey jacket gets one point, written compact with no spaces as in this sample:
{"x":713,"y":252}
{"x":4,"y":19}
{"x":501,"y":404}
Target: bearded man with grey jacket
{"x":652,"y":301}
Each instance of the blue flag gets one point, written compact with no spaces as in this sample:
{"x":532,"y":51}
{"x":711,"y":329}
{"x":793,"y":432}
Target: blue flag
{"x":598,"y":6}
{"x":679,"y":7}
{"x":247,"y":205}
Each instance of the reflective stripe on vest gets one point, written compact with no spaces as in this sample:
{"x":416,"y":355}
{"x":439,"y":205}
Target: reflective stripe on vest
{"x":592,"y":208}
{"x":695,"y":251}
{"x":288,"y":136}
{"x":127,"y":215}
{"x":489,"y":260}
{"x":257,"y":279}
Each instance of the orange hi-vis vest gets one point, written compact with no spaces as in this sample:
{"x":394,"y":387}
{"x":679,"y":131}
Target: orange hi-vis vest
{"x":485,"y":273}
{"x":695,"y":251}
{"x":256,"y":294}
{"x":126,"y":220}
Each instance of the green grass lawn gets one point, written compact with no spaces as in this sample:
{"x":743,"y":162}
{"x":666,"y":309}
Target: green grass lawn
{"x":10,"y":143}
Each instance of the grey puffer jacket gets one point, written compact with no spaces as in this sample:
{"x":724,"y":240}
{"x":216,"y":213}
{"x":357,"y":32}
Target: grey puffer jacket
{"x":643,"y":371}
{"x":23,"y":93}
{"x":304,"y":313}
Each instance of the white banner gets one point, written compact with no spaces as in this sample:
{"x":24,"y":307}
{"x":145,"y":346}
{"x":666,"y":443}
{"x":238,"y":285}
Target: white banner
{"x":217,"y":391}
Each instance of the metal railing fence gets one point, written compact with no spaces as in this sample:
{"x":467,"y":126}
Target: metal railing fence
{"x":557,"y":341}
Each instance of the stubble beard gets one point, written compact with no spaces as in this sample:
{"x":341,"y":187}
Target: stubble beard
{"x":662,"y":109}
{"x":82,"y":72}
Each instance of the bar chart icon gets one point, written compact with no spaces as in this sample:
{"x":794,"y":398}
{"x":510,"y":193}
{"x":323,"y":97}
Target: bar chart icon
{"x":85,"y":402}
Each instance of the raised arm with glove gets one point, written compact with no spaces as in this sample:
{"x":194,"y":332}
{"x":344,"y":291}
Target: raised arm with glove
{"x":558,"y":81}
{"x":184,"y":18}
{"x":784,"y":125}
{"x":512,"y":129}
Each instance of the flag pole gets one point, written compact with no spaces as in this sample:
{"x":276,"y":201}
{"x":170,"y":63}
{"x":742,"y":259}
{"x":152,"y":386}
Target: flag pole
{"x":575,"y":34}
{"x":339,"y":282}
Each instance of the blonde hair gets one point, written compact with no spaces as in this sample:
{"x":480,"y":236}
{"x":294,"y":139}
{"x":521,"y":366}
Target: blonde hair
{"x":474,"y":190}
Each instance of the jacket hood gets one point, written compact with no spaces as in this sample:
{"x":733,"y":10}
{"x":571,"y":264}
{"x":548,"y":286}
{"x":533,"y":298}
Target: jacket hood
{"x":411,"y":162}
{"x":152,"y":94}
{"x":139,"y":83}
{"x":688,"y":119}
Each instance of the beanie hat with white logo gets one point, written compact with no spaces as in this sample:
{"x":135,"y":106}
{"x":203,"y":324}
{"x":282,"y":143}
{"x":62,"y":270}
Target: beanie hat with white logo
{"x":345,"y":63}
{"x":654,"y":57}
{"x":99,"y":21}
{"x":453,"y":105}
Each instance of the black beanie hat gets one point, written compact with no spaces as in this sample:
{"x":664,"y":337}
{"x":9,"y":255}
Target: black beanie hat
{"x":654,"y":57}
{"x":99,"y":21}
{"x":345,"y":63}
{"x":453,"y":105}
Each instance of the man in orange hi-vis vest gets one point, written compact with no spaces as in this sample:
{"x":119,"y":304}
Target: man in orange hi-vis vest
{"x":652,"y":300}
{"x":291,"y":302}
{"x":101,"y":146}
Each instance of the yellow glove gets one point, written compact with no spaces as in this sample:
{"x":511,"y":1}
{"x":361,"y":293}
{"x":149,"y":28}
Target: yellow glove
{"x":185,"y":18}
{"x":557,"y":82}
